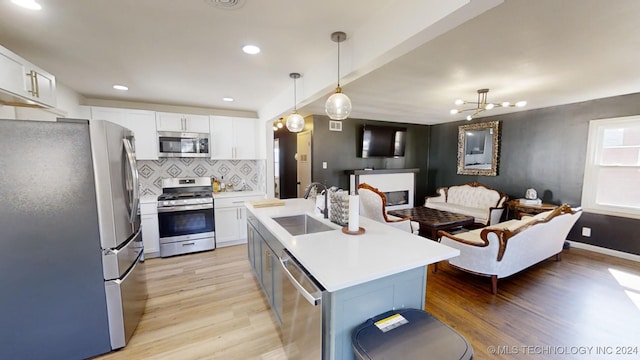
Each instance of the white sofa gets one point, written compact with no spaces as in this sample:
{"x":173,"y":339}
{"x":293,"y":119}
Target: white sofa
{"x":506,"y":248}
{"x":473,"y":199}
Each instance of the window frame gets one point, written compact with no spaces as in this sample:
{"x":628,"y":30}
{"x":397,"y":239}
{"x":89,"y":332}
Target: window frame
{"x":590,"y":182}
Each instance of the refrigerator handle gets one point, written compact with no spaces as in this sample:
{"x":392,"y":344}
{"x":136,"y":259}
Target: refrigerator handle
{"x":135,"y":197}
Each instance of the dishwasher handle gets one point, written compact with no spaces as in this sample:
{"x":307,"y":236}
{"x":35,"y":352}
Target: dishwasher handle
{"x":314,"y":300}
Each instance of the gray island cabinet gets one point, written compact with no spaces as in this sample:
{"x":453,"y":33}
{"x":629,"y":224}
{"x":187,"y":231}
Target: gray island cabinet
{"x":362,"y":275}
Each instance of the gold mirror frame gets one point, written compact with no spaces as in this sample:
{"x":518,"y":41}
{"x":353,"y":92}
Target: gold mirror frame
{"x":478,"y":155}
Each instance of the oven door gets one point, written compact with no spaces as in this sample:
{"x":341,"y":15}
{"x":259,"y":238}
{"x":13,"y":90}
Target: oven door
{"x":185,"y":222}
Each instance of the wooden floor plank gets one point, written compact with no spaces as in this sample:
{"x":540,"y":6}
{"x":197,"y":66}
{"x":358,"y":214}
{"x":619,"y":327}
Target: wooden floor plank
{"x":209,"y":306}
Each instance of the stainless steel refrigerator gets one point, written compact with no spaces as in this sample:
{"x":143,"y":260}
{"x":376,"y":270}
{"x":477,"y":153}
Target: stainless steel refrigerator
{"x":72,"y":277}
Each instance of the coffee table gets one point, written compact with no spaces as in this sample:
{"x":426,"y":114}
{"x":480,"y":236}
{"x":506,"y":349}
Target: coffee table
{"x":432,"y":220}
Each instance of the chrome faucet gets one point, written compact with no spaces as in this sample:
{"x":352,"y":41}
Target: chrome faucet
{"x":325,"y":211}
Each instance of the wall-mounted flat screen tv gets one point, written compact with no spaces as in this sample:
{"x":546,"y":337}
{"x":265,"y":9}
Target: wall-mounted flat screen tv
{"x":383,"y":141}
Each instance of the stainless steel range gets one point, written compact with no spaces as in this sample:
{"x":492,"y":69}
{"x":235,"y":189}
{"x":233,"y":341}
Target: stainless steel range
{"x":185,"y":216}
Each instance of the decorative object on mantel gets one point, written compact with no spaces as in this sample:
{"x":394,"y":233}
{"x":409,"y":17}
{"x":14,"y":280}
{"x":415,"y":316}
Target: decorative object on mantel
{"x":478,"y":148}
{"x":482,"y":104}
{"x":338,"y":105}
{"x":295,"y":121}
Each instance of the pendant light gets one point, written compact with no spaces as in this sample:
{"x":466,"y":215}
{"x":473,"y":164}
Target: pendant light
{"x":338,"y":105}
{"x":295,"y":122}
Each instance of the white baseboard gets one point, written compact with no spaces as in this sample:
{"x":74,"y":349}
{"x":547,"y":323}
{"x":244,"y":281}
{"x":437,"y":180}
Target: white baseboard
{"x":605,"y":251}
{"x":230,"y":243}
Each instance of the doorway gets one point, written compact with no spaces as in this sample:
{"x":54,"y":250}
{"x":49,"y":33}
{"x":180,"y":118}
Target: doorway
{"x":276,"y":168}
{"x":303,"y":160}
{"x":285,"y":164}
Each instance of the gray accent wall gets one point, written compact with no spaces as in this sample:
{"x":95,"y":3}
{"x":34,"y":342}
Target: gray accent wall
{"x":341,"y":150}
{"x":544,"y":149}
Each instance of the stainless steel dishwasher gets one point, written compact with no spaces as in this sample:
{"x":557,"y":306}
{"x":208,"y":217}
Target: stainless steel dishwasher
{"x":301,"y":310}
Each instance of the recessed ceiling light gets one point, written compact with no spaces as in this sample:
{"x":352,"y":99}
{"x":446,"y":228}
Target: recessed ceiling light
{"x":251,"y":49}
{"x":120,"y":87}
{"x":228,"y":99}
{"x":27,"y":4}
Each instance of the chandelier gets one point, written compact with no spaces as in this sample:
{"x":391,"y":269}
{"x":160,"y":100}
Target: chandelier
{"x":482,"y":104}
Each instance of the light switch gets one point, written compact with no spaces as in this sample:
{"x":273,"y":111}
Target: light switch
{"x":324,"y":164}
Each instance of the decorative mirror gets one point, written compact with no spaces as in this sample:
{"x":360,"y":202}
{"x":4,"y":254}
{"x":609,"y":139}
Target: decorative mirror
{"x":478,"y":146}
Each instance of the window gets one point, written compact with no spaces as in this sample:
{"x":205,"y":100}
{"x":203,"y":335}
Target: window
{"x":612,"y":169}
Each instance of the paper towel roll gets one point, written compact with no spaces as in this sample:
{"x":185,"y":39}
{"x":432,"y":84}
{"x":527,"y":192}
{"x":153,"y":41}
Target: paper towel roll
{"x":354,"y":213}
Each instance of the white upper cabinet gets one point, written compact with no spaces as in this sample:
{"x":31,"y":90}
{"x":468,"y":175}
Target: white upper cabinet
{"x":141,"y":122}
{"x":24,"y":83}
{"x":182,"y":122}
{"x":234,"y":138}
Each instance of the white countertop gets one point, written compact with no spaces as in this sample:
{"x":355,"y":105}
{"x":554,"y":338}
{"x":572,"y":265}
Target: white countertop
{"x":228,"y":194}
{"x":338,"y":260}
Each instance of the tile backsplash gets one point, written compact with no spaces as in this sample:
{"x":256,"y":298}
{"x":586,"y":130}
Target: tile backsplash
{"x":151,"y":172}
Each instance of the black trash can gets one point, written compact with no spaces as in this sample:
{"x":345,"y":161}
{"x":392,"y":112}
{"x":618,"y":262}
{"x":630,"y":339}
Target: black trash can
{"x":408,"y":334}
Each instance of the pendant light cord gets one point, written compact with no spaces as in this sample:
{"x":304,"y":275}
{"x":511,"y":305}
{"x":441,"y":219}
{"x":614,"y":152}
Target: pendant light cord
{"x":295,"y":100}
{"x":338,"y":63}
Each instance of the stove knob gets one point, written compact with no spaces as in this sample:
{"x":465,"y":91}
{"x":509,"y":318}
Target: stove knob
{"x":172,"y":202}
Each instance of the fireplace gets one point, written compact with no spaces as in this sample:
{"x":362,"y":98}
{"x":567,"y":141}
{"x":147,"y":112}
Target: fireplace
{"x":398,"y":185}
{"x":395,"y":198}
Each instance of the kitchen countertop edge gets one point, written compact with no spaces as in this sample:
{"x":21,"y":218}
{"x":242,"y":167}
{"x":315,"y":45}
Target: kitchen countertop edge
{"x":355,"y":259}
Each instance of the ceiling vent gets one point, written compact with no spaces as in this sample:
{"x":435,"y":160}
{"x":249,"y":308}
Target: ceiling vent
{"x":226,"y":4}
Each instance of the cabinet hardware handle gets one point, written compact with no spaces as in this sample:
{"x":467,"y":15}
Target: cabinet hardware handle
{"x":189,"y":243}
{"x":267,"y":258}
{"x":33,"y":77}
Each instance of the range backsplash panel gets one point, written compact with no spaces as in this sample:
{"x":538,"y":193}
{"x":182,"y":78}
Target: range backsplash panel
{"x":151,"y":172}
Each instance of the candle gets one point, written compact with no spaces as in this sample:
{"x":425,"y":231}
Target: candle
{"x":354,"y":213}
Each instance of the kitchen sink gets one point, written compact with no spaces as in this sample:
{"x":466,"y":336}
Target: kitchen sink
{"x":302,"y":224}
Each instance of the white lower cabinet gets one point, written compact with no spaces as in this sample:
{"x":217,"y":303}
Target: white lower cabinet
{"x":150,"y":231}
{"x":231,"y":218}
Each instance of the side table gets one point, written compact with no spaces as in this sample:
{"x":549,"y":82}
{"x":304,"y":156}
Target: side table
{"x":518,"y":209}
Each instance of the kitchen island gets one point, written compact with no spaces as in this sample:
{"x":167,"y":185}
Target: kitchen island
{"x":363,"y":275}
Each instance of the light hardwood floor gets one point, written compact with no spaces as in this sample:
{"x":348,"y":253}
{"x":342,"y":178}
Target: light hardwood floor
{"x":209,"y":306}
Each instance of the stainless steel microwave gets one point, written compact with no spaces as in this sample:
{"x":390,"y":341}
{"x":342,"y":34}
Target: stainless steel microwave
{"x":183,"y":144}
